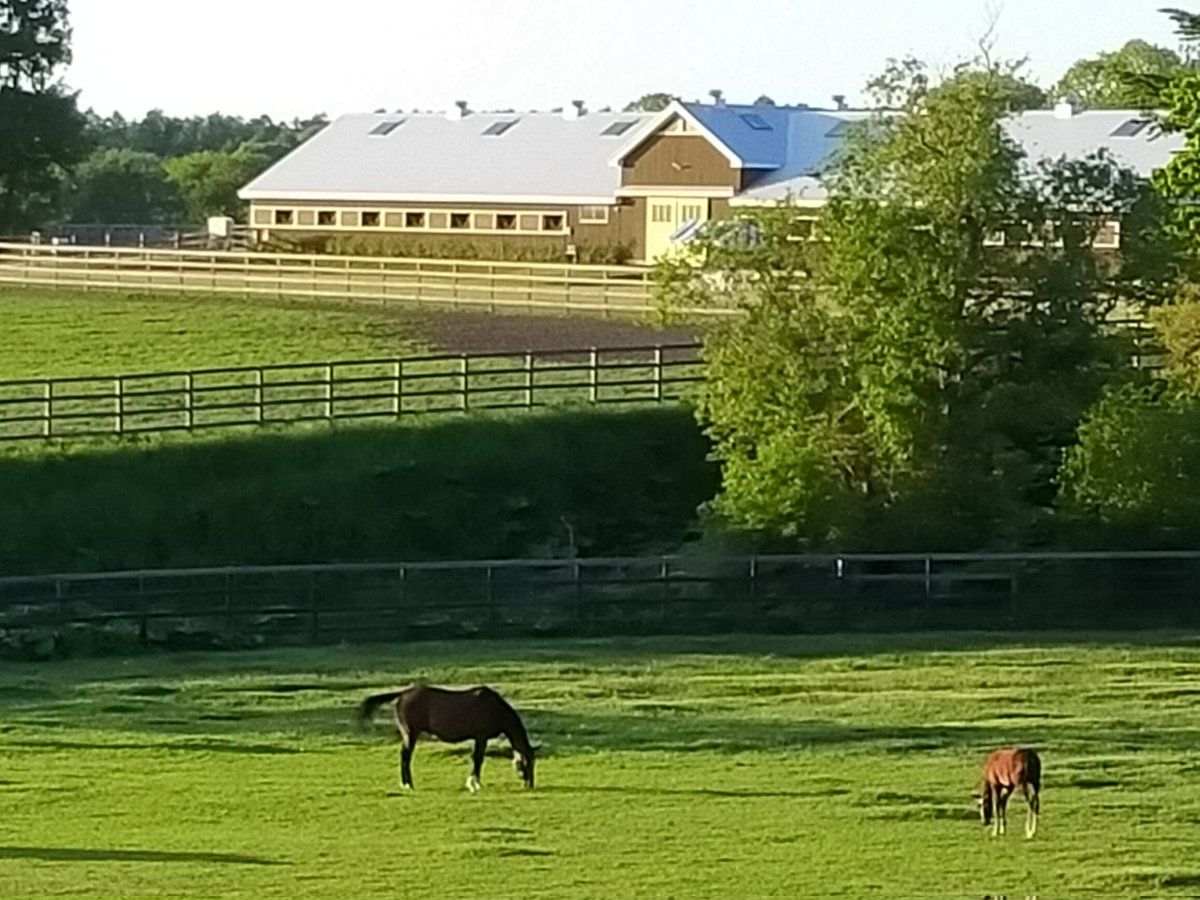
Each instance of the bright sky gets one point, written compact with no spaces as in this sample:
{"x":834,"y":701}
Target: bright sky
{"x":289,"y":58}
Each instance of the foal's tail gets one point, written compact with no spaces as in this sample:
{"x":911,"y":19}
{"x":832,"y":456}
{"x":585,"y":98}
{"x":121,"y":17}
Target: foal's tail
{"x":367,"y":708}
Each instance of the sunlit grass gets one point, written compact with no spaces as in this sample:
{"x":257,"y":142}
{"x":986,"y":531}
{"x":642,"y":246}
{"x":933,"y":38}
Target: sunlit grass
{"x":747,"y":767}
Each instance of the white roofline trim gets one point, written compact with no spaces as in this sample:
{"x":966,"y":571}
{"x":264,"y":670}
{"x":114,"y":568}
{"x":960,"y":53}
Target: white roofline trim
{"x":371,"y":197}
{"x":674,"y":190}
{"x":676,"y":108}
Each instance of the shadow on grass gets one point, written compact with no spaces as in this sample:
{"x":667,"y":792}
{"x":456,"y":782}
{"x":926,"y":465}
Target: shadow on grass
{"x":84,"y":854}
{"x":642,"y":791}
{"x":184,"y":746}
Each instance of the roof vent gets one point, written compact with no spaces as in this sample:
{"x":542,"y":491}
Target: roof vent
{"x":718,"y":96}
{"x":573,"y":110}
{"x":457,"y":112}
{"x":839,"y":101}
{"x":1065,"y":109}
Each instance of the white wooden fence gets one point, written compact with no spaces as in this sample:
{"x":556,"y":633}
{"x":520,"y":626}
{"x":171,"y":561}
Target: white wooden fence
{"x":496,"y":286}
{"x":342,"y":390}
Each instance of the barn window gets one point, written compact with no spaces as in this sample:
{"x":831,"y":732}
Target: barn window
{"x":370,"y":220}
{"x":460,"y":220}
{"x":552,"y":222}
{"x":594,"y":215}
{"x":284,"y":217}
{"x":506,"y":222}
{"x":414,"y":220}
{"x":327,"y":217}
{"x":661,"y":212}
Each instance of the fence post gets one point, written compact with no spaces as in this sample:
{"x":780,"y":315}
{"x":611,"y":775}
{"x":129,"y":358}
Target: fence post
{"x":189,"y":401}
{"x":314,"y":614}
{"x":258,"y":396}
{"x":327,"y":389}
{"x":464,"y":381}
{"x":493,"y":619}
{"x":228,"y":603}
{"x":658,"y":373}
{"x":397,"y":397}
{"x":594,"y":376}
{"x":144,"y":612}
{"x":528,"y":379}
{"x":664,"y":579}
{"x":753,"y":585}
{"x":47,"y":408}
{"x":119,"y":405}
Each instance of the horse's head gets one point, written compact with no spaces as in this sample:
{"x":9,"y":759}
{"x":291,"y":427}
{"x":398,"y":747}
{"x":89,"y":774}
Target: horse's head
{"x":523,"y":763}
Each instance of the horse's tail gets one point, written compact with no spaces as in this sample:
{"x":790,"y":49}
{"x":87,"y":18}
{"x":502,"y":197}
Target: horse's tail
{"x":367,"y":708}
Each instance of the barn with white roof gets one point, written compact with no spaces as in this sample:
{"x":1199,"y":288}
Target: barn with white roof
{"x":597,"y":186}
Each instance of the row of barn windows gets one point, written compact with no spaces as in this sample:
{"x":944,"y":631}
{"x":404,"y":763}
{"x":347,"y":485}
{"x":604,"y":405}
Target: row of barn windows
{"x":421,"y":219}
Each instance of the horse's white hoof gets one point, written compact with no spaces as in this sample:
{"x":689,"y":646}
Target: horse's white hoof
{"x":473,"y":784}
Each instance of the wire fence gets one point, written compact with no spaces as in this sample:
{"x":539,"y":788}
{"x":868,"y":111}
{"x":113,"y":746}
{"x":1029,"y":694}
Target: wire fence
{"x":406,"y":601}
{"x":343,"y":390}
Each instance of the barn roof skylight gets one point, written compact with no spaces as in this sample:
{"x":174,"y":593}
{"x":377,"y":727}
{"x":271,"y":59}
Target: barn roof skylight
{"x":385,"y":128}
{"x":498,"y":128}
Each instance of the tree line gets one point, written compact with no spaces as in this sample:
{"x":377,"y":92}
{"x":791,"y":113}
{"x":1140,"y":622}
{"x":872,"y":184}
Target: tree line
{"x":58,"y":163}
{"x":901,"y":379}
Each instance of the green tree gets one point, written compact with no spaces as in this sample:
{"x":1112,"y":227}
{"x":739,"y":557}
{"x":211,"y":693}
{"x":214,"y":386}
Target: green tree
{"x":1178,"y":94}
{"x":900,"y":381}
{"x":41,"y":131}
{"x":123,"y":186}
{"x":1104,"y":82}
{"x":208,"y":181}
{"x":1135,"y":470}
{"x":655,"y":102}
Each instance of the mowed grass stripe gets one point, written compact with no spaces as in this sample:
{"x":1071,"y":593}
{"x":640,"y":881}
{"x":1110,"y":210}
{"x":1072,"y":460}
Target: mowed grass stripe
{"x":669,"y":769}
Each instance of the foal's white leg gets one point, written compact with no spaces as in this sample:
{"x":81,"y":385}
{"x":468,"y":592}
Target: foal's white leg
{"x":473,"y":783}
{"x":1031,"y":823}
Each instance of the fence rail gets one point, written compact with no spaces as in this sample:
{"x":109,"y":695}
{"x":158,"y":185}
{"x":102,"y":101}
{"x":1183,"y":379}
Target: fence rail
{"x":343,"y":390}
{"x":380,"y":601}
{"x":497,"y":286}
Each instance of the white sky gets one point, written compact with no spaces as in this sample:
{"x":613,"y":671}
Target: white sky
{"x":289,"y":58}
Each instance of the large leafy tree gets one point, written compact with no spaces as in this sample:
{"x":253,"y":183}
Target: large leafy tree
{"x":122,"y":185}
{"x":41,"y":131}
{"x":901,"y":380}
{"x":208,"y":181}
{"x":1103,"y":81}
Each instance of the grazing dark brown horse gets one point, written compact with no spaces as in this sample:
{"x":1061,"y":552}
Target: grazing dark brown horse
{"x":478,"y":714}
{"x":1005,"y":771}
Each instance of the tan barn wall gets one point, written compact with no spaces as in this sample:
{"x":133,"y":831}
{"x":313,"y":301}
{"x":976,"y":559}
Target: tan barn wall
{"x":684,"y":160}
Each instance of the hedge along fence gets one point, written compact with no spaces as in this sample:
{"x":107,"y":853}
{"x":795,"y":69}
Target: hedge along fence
{"x":497,"y":286}
{"x":239,"y":606}
{"x":343,"y":390}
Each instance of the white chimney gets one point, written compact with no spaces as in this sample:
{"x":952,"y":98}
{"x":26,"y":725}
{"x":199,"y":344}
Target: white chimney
{"x":573,"y":110}
{"x":458,"y":111}
{"x":1064,"y":108}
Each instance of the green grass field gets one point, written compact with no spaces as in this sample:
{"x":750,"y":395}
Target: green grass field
{"x":736,"y":767}
{"x":49,"y":334}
